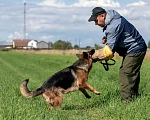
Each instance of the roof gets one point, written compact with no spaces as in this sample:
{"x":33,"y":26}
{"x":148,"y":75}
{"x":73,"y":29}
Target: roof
{"x":42,"y":42}
{"x":21,"y":42}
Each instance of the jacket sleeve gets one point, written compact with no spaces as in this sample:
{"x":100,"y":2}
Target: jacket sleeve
{"x":113,"y":33}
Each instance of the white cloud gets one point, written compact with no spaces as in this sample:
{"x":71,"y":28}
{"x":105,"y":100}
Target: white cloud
{"x":16,"y":35}
{"x":52,"y":20}
{"x":47,"y":37}
{"x":124,"y":12}
{"x":5,"y":17}
{"x":52,"y":3}
{"x":81,"y":3}
{"x":91,"y":3}
{"x":139,"y":3}
{"x":134,"y":13}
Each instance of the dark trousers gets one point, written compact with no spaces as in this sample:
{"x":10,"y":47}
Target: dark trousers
{"x":129,"y":75}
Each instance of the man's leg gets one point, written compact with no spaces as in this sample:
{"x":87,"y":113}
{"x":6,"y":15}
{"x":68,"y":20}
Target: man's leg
{"x":129,"y":75}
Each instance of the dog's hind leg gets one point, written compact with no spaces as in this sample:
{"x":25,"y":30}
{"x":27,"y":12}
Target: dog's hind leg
{"x":84,"y":92}
{"x":69,"y":90}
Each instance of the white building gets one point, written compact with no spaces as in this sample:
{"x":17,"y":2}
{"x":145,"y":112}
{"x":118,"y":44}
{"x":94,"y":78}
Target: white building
{"x":32,"y":44}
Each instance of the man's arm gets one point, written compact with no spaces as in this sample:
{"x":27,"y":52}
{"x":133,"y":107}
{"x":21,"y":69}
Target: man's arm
{"x":113,"y":33}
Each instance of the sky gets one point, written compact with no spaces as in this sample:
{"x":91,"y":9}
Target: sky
{"x":67,"y":20}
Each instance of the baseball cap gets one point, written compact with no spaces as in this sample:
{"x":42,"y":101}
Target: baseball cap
{"x":95,"y":12}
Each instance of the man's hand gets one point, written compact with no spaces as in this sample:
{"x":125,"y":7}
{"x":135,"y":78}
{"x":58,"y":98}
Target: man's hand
{"x":104,"y":53}
{"x":104,"y":40}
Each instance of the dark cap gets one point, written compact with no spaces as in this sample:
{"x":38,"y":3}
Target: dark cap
{"x":95,"y":12}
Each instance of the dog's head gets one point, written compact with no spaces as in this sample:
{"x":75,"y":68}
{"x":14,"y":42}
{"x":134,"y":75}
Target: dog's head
{"x":85,"y":60}
{"x":86,"y":55}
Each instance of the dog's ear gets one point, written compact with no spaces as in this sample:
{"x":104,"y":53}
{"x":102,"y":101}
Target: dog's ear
{"x":85,"y":55}
{"x":78,"y":55}
{"x":92,"y":52}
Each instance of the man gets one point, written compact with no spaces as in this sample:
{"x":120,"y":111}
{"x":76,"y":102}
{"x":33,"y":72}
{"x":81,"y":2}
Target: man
{"x":123,"y":38}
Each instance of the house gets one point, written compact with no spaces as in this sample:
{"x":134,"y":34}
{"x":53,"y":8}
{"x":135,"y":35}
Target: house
{"x":42,"y":45}
{"x":21,"y":43}
{"x":32,"y":44}
{"x":24,"y":44}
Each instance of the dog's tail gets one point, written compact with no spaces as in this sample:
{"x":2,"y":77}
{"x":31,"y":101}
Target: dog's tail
{"x":27,"y":93}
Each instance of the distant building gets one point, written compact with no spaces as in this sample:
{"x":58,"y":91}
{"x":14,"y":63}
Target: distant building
{"x":2,"y":46}
{"x":21,"y":43}
{"x":42,"y":45}
{"x":24,"y":44}
{"x":5,"y":46}
{"x":32,"y":44}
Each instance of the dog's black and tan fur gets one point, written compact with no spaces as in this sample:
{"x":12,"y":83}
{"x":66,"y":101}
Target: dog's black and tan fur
{"x":67,"y":80}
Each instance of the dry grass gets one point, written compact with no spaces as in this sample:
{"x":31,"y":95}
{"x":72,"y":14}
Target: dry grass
{"x":69,"y":52}
{"x":62,"y":52}
{"x":147,"y":57}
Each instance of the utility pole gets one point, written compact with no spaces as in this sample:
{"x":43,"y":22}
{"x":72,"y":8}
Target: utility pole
{"x":24,"y":19}
{"x":79,"y":42}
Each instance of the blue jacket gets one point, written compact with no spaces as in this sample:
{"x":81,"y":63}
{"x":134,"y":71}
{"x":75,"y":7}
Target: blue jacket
{"x":122,"y":36}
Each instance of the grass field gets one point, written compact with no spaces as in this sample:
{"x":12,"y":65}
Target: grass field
{"x":15,"y":67}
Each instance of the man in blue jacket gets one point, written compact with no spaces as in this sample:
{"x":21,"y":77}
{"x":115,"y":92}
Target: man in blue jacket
{"x":123,"y":38}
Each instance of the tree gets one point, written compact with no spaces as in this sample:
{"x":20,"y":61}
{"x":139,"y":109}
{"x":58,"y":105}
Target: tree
{"x":76,"y":47}
{"x":148,"y":44}
{"x":97,"y":47}
{"x":88,"y":47}
{"x":62,"y":45}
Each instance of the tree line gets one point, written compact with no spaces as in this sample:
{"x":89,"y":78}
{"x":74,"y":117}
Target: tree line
{"x":65,"y":45}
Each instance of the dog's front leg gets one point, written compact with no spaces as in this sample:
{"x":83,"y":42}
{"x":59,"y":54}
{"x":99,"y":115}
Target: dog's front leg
{"x":89,"y":87}
{"x":84,"y":92}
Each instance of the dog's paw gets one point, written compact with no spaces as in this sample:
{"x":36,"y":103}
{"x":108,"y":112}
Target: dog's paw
{"x":88,"y":96}
{"x":97,"y":93}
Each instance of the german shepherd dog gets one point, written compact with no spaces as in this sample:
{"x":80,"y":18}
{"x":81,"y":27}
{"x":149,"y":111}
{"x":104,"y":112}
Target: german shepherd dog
{"x":67,"y":80}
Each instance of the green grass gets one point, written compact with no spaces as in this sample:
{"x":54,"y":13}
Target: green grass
{"x":15,"y":67}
